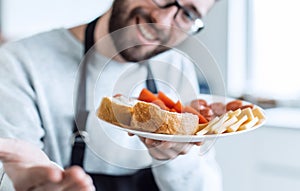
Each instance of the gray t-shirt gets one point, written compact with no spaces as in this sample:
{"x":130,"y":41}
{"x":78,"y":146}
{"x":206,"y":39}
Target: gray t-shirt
{"x":38,"y":78}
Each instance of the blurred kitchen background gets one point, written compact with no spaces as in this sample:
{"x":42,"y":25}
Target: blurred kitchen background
{"x":256,"y":45}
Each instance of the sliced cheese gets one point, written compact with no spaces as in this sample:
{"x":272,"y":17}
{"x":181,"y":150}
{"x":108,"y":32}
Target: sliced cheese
{"x":234,"y":127}
{"x":249,"y":124}
{"x":232,"y":121}
{"x":234,"y":113}
{"x":247,"y":111}
{"x":219,"y":123}
{"x":226,"y":124}
{"x":208,"y":127}
{"x":258,"y":113}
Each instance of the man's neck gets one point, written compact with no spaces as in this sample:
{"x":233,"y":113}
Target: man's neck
{"x":102,"y":37}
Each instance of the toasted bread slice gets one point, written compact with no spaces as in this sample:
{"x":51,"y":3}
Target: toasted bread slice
{"x":115,"y":111}
{"x":149,"y":117}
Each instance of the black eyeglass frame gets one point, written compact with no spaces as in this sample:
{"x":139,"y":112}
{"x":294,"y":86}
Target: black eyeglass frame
{"x":198,"y":24}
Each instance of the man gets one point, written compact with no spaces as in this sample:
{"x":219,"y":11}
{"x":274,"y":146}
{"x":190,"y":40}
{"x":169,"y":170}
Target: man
{"x":37,"y":85}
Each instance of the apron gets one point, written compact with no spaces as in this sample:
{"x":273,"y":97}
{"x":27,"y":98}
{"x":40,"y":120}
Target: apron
{"x":143,"y":179}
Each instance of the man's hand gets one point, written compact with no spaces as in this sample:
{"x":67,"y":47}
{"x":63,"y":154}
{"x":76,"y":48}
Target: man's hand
{"x":164,"y":150}
{"x":31,"y":170}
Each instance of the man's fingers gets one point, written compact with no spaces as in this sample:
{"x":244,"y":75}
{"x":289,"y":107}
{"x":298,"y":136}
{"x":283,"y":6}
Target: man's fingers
{"x":151,"y":142}
{"x":198,"y":143}
{"x":164,"y":150}
{"x":37,"y":176}
{"x":75,"y":177}
{"x":83,"y":187}
{"x":182,"y":148}
{"x":50,"y":178}
{"x":165,"y":145}
{"x":130,"y":134}
{"x":162,"y":154}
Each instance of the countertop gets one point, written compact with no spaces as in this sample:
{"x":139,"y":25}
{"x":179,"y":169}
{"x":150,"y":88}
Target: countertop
{"x":283,"y":117}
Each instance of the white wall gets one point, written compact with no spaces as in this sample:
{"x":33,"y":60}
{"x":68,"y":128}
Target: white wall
{"x":214,"y":36}
{"x":23,"y":18}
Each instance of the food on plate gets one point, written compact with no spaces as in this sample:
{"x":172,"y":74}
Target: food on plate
{"x":178,"y":107}
{"x":149,"y":117}
{"x":144,"y":116}
{"x":189,"y":109}
{"x":158,"y":113}
{"x":232,"y":121}
{"x":116,"y":111}
{"x":166,"y":103}
{"x":165,"y":99}
{"x":218,"y":108}
{"x":234,"y":105}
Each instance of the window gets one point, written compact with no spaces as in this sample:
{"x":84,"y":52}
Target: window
{"x":275,"y":48}
{"x":266,"y":38}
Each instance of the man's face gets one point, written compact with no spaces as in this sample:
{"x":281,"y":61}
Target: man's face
{"x":150,"y":29}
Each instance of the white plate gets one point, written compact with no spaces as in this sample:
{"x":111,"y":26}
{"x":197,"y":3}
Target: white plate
{"x":194,"y":138}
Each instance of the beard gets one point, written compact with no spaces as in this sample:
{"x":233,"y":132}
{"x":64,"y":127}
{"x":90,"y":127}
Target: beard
{"x":124,"y":36}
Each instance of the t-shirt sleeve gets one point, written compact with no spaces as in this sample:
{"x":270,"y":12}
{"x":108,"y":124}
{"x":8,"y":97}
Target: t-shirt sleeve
{"x":19,"y":114}
{"x":5,"y":182}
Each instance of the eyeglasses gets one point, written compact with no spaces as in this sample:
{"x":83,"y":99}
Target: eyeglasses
{"x":185,"y":18}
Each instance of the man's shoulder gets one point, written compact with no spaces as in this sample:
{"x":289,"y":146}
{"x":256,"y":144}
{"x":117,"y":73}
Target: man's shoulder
{"x":50,"y":35}
{"x":53,"y":40}
{"x":35,"y":38}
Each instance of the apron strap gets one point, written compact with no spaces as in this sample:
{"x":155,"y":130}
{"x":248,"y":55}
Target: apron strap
{"x":150,"y":81}
{"x":81,"y":113}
